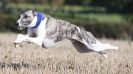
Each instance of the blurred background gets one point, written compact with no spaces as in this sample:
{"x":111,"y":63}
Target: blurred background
{"x":104,"y":18}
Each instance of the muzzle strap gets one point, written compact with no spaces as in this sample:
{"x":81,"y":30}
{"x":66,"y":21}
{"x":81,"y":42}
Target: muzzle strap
{"x":39,"y":19}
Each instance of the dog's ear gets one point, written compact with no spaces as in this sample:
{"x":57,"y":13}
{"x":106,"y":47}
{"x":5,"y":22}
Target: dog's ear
{"x":34,"y":11}
{"x":23,"y":10}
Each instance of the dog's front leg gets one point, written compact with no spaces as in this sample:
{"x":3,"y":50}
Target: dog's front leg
{"x":26,"y":38}
{"x":36,"y":40}
{"x":20,"y":38}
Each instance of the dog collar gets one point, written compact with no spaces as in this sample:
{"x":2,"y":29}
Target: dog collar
{"x":39,"y":19}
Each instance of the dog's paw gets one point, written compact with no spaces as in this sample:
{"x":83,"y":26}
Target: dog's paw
{"x":16,"y":45}
{"x":19,"y":39}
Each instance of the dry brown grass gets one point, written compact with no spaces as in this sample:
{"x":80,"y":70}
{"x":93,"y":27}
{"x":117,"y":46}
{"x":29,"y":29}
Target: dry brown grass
{"x":62,"y":59}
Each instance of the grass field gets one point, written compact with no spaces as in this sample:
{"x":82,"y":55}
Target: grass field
{"x":63,"y":58}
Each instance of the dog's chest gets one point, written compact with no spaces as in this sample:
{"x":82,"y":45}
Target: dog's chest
{"x":32,"y":32}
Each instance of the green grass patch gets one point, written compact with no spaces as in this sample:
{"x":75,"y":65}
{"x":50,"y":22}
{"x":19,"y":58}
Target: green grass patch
{"x":106,"y":18}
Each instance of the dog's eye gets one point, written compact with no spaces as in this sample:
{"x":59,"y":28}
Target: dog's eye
{"x":26,"y":16}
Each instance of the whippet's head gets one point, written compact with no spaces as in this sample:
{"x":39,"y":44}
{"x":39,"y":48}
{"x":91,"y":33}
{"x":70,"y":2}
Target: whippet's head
{"x":27,"y":19}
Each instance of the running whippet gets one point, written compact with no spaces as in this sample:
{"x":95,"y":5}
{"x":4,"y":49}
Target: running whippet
{"x":46,"y":31}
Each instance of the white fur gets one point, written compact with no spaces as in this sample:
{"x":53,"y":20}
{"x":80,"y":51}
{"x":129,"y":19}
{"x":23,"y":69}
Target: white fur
{"x":33,"y":22}
{"x":78,"y":29}
{"x":19,"y":21}
{"x":98,"y":46}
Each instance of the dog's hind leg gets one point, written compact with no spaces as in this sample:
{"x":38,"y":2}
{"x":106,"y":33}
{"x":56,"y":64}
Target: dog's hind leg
{"x":108,"y":46}
{"x":98,"y":46}
{"x":80,"y":47}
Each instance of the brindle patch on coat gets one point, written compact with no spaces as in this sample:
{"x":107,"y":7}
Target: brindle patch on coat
{"x":59,"y":29}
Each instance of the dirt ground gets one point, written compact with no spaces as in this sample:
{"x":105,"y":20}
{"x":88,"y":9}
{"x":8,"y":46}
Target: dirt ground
{"x":63,"y":58}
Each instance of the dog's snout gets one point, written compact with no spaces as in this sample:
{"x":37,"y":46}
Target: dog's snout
{"x":17,"y":25}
